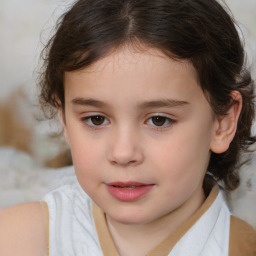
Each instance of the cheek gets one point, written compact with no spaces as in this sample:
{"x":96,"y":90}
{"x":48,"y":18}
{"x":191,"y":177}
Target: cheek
{"x":182,"y":157}
{"x":86,"y":155}
{"x":86,"y":163}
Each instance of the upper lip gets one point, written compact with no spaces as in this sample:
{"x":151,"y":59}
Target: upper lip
{"x":127,"y":184}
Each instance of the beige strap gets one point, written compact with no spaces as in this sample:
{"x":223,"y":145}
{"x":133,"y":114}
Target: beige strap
{"x":105,"y":238}
{"x":164,"y":248}
{"x":242,"y":240}
{"x":46,"y":222}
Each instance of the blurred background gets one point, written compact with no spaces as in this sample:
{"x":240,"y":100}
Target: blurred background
{"x":32,"y":159}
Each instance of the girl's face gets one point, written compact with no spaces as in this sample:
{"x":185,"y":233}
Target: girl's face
{"x":140,"y":130}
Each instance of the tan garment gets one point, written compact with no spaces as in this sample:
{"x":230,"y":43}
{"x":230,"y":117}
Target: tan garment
{"x":242,"y":236}
{"x":165,"y":247}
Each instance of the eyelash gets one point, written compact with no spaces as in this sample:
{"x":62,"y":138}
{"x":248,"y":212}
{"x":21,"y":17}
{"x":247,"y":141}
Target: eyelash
{"x":88,"y":121}
{"x":166,"y":121}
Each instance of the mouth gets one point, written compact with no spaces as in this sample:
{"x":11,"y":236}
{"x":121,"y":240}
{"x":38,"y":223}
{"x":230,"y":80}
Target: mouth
{"x":127,"y":184}
{"x":127,"y":187}
{"x":128,"y":191}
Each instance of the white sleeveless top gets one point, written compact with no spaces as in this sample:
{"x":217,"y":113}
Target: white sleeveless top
{"x":73,"y":232}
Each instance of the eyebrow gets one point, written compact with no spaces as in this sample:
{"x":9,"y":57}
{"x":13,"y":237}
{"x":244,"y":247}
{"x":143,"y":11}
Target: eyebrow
{"x":169,"y":103}
{"x":89,"y":102}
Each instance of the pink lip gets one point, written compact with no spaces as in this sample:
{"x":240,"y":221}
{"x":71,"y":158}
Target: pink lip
{"x":128,"y":191}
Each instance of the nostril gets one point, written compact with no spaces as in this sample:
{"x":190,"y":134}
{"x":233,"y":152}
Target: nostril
{"x":123,"y":163}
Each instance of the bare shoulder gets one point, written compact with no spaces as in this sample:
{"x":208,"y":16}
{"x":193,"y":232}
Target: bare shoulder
{"x":242,"y":238}
{"x":22,"y":230}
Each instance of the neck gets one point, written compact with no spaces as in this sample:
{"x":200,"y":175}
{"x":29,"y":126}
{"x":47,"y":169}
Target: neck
{"x":139,"y":239}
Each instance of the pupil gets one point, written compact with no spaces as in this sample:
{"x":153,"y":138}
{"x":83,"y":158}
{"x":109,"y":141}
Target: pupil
{"x":97,"y":120}
{"x":158,"y":120}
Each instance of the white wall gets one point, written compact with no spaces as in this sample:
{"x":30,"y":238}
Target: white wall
{"x":22,"y":22}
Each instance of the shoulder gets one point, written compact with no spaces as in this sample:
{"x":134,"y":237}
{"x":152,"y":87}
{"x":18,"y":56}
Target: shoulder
{"x":242,"y":238}
{"x":22,"y":231}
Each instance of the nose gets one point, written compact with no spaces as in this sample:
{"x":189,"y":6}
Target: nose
{"x":125,"y":148}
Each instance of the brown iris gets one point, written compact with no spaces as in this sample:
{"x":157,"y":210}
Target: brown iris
{"x":97,"y":120}
{"x":158,"y":120}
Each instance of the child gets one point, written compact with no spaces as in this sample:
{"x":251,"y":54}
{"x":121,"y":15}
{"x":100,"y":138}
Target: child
{"x":156,"y":105}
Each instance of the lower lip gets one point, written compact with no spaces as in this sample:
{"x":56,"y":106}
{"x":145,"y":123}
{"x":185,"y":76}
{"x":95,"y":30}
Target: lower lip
{"x":129,"y":194}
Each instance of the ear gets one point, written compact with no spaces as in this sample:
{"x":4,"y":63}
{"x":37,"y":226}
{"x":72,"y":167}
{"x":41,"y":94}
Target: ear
{"x":226,"y":125}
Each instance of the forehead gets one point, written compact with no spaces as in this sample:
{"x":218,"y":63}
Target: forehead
{"x":128,"y":55}
{"x":133,"y":75}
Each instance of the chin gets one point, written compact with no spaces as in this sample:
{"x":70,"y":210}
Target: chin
{"x":130,"y":218}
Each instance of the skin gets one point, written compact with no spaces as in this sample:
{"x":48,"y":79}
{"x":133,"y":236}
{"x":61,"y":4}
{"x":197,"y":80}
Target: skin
{"x":127,"y":146}
{"x":126,"y":142}
{"x":22,"y":231}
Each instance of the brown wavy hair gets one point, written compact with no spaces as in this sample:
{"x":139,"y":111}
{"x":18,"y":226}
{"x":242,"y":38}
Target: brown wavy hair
{"x":201,"y":31}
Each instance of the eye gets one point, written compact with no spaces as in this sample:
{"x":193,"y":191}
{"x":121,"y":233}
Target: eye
{"x":159,"y":121}
{"x":96,"y":120}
